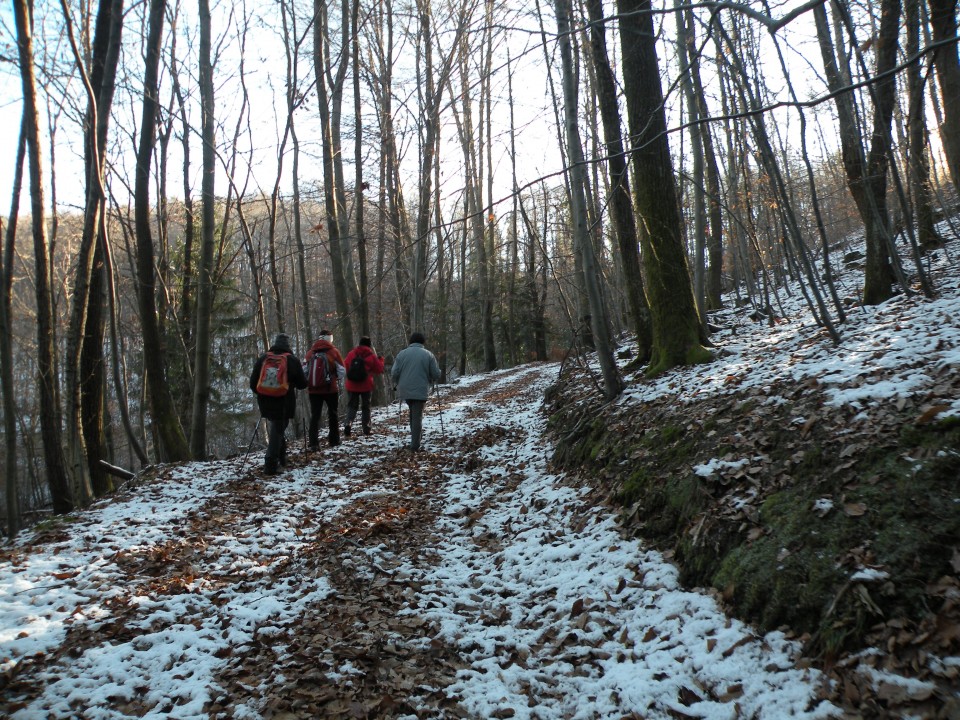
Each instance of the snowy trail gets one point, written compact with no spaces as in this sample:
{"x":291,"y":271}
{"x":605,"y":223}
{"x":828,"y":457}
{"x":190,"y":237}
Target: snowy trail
{"x":561,"y":618}
{"x":157,"y":594}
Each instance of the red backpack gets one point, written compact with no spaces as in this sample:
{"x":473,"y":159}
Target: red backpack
{"x":273,"y":375}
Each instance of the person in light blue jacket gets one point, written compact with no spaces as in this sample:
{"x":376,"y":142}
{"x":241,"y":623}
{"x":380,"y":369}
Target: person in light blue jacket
{"x":414,"y":370}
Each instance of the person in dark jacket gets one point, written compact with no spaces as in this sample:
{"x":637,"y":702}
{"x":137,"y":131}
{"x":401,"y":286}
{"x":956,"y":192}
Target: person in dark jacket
{"x":278,"y":411}
{"x":360,"y":390}
{"x":414,"y":370}
{"x":325,"y":394}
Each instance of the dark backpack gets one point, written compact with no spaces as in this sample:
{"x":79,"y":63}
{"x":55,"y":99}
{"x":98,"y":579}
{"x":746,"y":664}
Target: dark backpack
{"x":357,"y":372}
{"x":273,"y":380}
{"x":320,"y":374}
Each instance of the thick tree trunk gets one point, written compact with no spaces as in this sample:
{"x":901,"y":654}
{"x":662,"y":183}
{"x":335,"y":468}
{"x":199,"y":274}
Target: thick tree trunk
{"x":173,"y":443}
{"x":621,"y":205}
{"x":676,"y":325}
{"x":11,"y":481}
{"x":919,"y":161}
{"x":50,"y":418}
{"x":867,"y":173}
{"x":943,"y":19}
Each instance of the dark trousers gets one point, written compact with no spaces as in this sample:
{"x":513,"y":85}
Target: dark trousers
{"x":317,"y":402}
{"x":416,"y":422}
{"x":363,"y":400}
{"x":276,"y":443}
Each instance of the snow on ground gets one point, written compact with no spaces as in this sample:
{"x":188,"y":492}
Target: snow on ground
{"x":565,"y":619}
{"x":555,"y":614}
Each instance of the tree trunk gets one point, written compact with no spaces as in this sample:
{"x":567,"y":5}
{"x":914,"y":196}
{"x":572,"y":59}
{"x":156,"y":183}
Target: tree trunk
{"x":329,"y":99}
{"x":201,"y":362}
{"x":867,"y":174}
{"x":621,"y":206}
{"x":918,"y":160}
{"x":943,"y":19}
{"x":173,"y":443}
{"x":50,"y":418}
{"x":599,"y":321}
{"x":676,"y":325}
{"x":11,"y":481}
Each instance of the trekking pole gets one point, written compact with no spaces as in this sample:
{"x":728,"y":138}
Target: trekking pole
{"x":250,"y":444}
{"x":443,"y":433}
{"x":398,"y":417}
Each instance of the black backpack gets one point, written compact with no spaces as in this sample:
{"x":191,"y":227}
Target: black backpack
{"x":357,"y":372}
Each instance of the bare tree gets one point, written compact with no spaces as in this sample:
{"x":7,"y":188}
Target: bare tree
{"x":676,"y":324}
{"x":621,"y":205}
{"x":12,"y":490}
{"x":600,"y":323}
{"x":943,"y":19}
{"x":867,"y":171}
{"x":50,"y":417}
{"x":173,"y":443}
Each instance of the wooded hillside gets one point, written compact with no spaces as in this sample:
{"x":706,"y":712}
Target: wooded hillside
{"x":518,"y":183}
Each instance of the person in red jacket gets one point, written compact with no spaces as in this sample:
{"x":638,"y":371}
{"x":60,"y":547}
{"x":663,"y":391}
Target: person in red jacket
{"x":362,"y":365}
{"x":323,"y":388}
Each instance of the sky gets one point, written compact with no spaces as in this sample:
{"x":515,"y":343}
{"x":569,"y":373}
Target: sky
{"x":559,"y":567}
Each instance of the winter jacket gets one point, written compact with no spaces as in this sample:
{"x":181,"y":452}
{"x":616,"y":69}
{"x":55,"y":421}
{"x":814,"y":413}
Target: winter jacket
{"x":334,"y":358}
{"x":278,"y":408}
{"x":414,"y":370}
{"x":374,"y":366}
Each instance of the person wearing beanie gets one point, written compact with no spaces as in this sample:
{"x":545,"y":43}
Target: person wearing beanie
{"x":277,"y":409}
{"x":414,"y":370}
{"x":363,"y":364}
{"x":324,"y":372}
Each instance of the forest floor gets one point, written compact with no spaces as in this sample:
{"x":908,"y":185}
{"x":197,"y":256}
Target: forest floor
{"x":464,"y":581}
{"x":771,"y":535}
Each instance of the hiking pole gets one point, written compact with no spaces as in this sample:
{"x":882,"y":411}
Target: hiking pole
{"x":250,"y":444}
{"x":443,"y":433}
{"x":398,"y":417}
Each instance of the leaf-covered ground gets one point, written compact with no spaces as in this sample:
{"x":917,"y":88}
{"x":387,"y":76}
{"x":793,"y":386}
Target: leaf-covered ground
{"x":813,"y":483}
{"x":466,"y":581}
{"x":526,"y":567}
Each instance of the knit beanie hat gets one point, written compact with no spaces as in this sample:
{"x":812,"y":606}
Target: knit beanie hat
{"x":417,"y":337}
{"x":326,"y":335}
{"x":365,"y":341}
{"x":282,"y":342}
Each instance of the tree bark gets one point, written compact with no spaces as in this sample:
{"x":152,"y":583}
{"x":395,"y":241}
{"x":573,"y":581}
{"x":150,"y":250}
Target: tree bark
{"x":173,"y":443}
{"x":50,"y":417}
{"x":867,"y":172}
{"x":943,"y":19}
{"x":599,"y":320}
{"x":621,"y":205}
{"x":676,"y":325}
{"x":201,"y":362}
{"x":918,"y":159}
{"x":11,"y":481}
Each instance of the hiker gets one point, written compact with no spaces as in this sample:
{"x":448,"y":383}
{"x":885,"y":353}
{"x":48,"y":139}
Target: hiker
{"x":414,"y":370}
{"x":324,"y":371}
{"x":276,"y":377}
{"x":362,"y":364}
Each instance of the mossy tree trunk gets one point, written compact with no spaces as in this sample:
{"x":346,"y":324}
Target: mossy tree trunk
{"x":676,"y":324}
